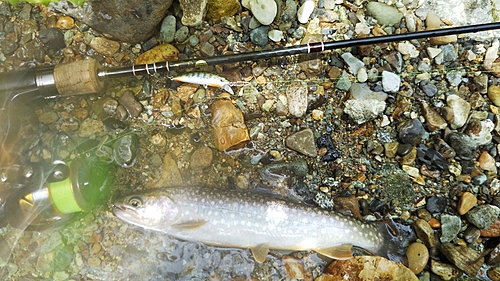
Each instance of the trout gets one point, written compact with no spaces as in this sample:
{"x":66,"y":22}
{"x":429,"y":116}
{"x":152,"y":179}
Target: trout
{"x":246,"y":219}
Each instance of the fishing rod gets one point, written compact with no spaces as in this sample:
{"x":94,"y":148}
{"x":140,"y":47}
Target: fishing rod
{"x":84,"y":77}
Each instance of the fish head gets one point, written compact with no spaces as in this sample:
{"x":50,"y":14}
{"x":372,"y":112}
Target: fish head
{"x":150,"y":209}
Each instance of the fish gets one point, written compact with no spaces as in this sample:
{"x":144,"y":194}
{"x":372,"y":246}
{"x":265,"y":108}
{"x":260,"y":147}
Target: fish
{"x":245,"y":219}
{"x":205,"y":79}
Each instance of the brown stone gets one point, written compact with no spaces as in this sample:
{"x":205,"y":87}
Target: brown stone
{"x":492,"y":231}
{"x":425,"y":233}
{"x":418,"y":256}
{"x":433,"y":22}
{"x":160,"y":53}
{"x":466,"y":202}
{"x":201,"y":158}
{"x":487,"y":162}
{"x":295,"y":268}
{"x":434,"y":120}
{"x":230,"y":131}
{"x":104,"y":46}
{"x":494,"y":93}
{"x":218,"y":9}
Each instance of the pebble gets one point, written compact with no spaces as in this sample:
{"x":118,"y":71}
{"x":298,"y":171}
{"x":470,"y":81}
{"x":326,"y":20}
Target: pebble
{"x":48,"y":117}
{"x":466,"y":202}
{"x":494,"y":273}
{"x":491,"y":55}
{"x":434,"y":22}
{"x":425,"y":233}
{"x":407,"y":48}
{"x":411,"y":132}
{"x":354,"y":63}
{"x":193,"y":12}
{"x":436,"y":204}
{"x":259,"y":36}
{"x":128,"y":101}
{"x":483,"y":216}
{"x":362,"y":75}
{"x":160,"y":53}
{"x":391,"y":148}
{"x":302,"y":142}
{"x":168,"y":29}
{"x":343,"y":82}
{"x":492,"y":231}
{"x":444,"y":270}
{"x":305,"y":11}
{"x":448,"y":52}
{"x":390,"y":81}
{"x":433,"y":118}
{"x":383,"y":13}
{"x":433,"y":52}
{"x":487,"y":162}
{"x":428,"y":88}
{"x":418,"y":256}
{"x":463,"y":257}
{"x":471,"y":234}
{"x":218,"y":10}
{"x":264,"y":10}
{"x":480,"y":131}
{"x":181,"y":34}
{"x":361,"y":91}
{"x":277,"y":170}
{"x":405,"y":149}
{"x":463,"y":145}
{"x":89,"y":127}
{"x":65,"y":23}
{"x":201,"y":158}
{"x":431,"y":157}
{"x":461,"y":109}
{"x":494,"y":94}
{"x":105,"y":47}
{"x":296,"y":95}
{"x":324,"y":141}
{"x":362,"y":111}
{"x":450,"y":227}
{"x":125,"y":150}
{"x":230,"y":131}
{"x":275,"y":35}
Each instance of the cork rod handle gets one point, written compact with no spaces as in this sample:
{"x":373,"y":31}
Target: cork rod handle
{"x":79,"y":77}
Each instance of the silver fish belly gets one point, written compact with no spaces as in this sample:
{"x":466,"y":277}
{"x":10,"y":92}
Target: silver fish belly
{"x":243,"y":219}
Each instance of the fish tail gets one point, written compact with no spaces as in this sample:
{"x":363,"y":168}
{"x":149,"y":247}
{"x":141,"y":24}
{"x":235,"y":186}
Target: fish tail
{"x":396,"y":238}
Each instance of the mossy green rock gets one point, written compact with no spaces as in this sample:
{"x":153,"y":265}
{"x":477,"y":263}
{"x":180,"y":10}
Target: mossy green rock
{"x":383,"y":13}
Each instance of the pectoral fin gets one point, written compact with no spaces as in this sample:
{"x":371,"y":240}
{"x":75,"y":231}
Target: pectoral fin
{"x":260,"y":252}
{"x":190,"y":225}
{"x":340,"y":252}
{"x":228,"y":89}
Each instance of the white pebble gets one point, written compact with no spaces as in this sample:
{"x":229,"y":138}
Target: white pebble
{"x":305,"y":11}
{"x":275,"y":35}
{"x":264,"y":10}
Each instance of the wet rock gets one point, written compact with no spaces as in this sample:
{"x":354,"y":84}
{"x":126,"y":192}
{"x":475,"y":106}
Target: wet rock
{"x":411,"y":132}
{"x":450,"y":227}
{"x":464,"y":258}
{"x":230,"y":131}
{"x":160,"y":53}
{"x":280,"y":170}
{"x":448,"y":52}
{"x":391,"y":148}
{"x":201,"y":158}
{"x":305,"y":11}
{"x":9,"y":47}
{"x":425,"y":233}
{"x":296,"y":95}
{"x":483,"y":216}
{"x":52,"y":39}
{"x":494,"y":94}
{"x":295,"y":268}
{"x":259,"y":36}
{"x":89,"y":127}
{"x":121,"y":20}
{"x":428,"y":88}
{"x":65,"y":23}
{"x":169,"y":175}
{"x":443,"y":270}
{"x":471,"y":234}
{"x":218,"y":9}
{"x":404,"y":149}
{"x":434,"y":120}
{"x":431,"y":157}
{"x":466,"y":202}
{"x":418,"y":256}
{"x":105,"y":46}
{"x":365,"y":268}
{"x":264,"y":10}
{"x":494,"y":273}
{"x":128,"y":101}
{"x":193,"y":11}
{"x":168,"y":29}
{"x":48,"y":117}
{"x":461,"y":109}
{"x":436,"y":204}
{"x":302,"y":142}
{"x":383,"y":13}
{"x":324,"y":141}
{"x":125,"y":150}
{"x":290,"y":11}
{"x":463,"y":145}
{"x":182,"y":34}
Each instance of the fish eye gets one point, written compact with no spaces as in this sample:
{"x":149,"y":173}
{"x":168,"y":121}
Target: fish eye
{"x":135,"y":201}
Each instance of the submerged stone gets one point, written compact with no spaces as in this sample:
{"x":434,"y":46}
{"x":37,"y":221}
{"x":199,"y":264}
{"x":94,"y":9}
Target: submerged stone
{"x":302,"y":142}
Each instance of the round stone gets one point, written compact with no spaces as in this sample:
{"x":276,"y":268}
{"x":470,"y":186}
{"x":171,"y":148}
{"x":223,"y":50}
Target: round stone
{"x":466,"y":202}
{"x":418,"y":256}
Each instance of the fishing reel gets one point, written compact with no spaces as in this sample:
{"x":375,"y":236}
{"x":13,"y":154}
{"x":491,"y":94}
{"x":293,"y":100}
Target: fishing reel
{"x":41,"y":196}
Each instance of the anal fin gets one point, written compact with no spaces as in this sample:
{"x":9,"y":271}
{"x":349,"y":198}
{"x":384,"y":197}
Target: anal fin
{"x":260,"y":252}
{"x":339,"y":252}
